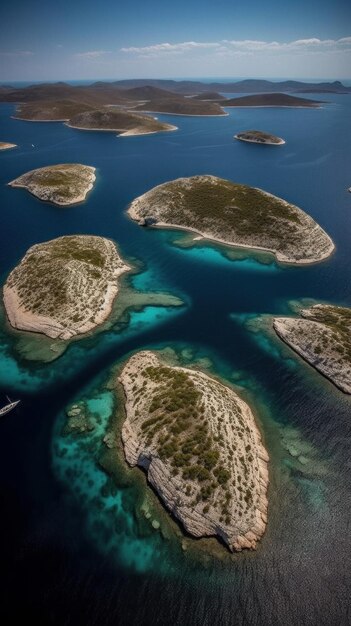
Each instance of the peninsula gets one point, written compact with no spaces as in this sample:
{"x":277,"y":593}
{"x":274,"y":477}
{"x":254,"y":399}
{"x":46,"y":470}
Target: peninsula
{"x":271,"y":100}
{"x":200,"y":447}
{"x":64,"y":287}
{"x":7,"y":146}
{"x":235,"y":215}
{"x":122,"y":122}
{"x":322,"y":336}
{"x":258,"y":136}
{"x":63,"y":184}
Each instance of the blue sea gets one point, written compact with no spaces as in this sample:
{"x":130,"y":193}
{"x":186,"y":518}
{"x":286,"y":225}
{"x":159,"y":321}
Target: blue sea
{"x":77,"y":545}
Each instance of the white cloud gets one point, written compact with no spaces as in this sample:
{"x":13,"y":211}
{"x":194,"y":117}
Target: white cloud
{"x":17,"y":53}
{"x":91,"y":54}
{"x":242,"y":47}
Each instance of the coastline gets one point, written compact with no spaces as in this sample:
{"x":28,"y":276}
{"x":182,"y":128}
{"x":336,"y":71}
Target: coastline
{"x":304,"y":353}
{"x":208,"y":237}
{"x":123,"y":133}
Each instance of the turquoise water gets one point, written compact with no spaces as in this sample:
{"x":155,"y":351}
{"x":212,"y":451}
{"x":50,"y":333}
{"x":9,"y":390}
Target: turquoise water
{"x":82,"y":537}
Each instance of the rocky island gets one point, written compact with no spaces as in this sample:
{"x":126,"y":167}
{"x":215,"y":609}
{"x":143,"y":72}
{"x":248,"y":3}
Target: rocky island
{"x":322,"y":336}
{"x":63,"y":184}
{"x":64,"y":287}
{"x":7,"y":146}
{"x":200,"y":447}
{"x":235,"y":215}
{"x":272,"y":100}
{"x":258,"y":136}
{"x":50,"y":110}
{"x":122,"y":122}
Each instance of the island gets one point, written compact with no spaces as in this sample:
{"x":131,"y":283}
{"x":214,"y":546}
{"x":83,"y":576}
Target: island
{"x":64,"y":184}
{"x":272,"y":100}
{"x":64,"y":287}
{"x":50,"y":110}
{"x":200,"y":447}
{"x":124,"y":123}
{"x":258,"y":136}
{"x":321,"y":336}
{"x":7,"y":146}
{"x":182,"y":106}
{"x":235,"y":215}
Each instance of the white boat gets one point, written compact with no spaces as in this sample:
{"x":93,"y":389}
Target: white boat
{"x":8,"y":407}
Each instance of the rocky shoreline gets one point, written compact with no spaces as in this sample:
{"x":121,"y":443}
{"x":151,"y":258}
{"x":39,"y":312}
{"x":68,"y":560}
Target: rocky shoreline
{"x":64,"y":287}
{"x":63,"y":184}
{"x":170,"y":204}
{"x":322,"y":338}
{"x":228,"y":498}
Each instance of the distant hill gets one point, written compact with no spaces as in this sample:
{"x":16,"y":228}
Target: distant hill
{"x":182,"y":106}
{"x":50,"y":110}
{"x":209,"y":95}
{"x":271,"y":100}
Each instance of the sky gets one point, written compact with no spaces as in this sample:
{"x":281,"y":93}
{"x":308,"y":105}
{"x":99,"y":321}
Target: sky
{"x":85,"y":39}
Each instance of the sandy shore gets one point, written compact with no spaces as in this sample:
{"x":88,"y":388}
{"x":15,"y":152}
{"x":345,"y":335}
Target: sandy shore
{"x":125,"y":133}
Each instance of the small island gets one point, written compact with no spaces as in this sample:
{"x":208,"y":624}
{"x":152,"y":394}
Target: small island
{"x":258,"y":136}
{"x":200,"y":447}
{"x":322,"y":337}
{"x":124,"y":123}
{"x":64,"y":287}
{"x":7,"y":146}
{"x":235,"y":215}
{"x":272,"y":100}
{"x":65,"y":184}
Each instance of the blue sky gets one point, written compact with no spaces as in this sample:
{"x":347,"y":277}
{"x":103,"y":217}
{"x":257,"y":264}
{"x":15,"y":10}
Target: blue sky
{"x":83,"y":39}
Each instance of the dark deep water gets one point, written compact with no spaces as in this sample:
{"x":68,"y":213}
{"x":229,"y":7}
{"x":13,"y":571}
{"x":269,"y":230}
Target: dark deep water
{"x":74,"y":550}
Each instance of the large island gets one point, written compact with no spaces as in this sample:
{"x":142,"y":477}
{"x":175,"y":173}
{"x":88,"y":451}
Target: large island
{"x":236,"y":215}
{"x":63,"y":184}
{"x":122,"y":122}
{"x":201,"y":449}
{"x":272,"y":100}
{"x":64,"y":287}
{"x":322,"y":336}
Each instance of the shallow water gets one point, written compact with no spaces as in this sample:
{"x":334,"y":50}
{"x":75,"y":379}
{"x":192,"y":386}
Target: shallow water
{"x":76,"y":545}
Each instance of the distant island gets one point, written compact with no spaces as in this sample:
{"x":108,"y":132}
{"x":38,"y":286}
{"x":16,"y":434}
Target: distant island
{"x":258,"y":136}
{"x":7,"y":146}
{"x":64,"y":287}
{"x":321,"y":337}
{"x":63,"y":184}
{"x":61,"y":101}
{"x":120,"y":91}
{"x":124,"y":123}
{"x":200,"y":447}
{"x":235,"y":215}
{"x":271,"y":100}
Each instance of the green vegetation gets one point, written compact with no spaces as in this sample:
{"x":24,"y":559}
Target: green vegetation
{"x":179,"y":429}
{"x":338,"y":321}
{"x":234,"y":213}
{"x":66,"y":278}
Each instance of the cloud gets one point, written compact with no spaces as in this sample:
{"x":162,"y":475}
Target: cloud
{"x":16,"y":53}
{"x":242,"y":47}
{"x":171,"y":48}
{"x":91,"y":54}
